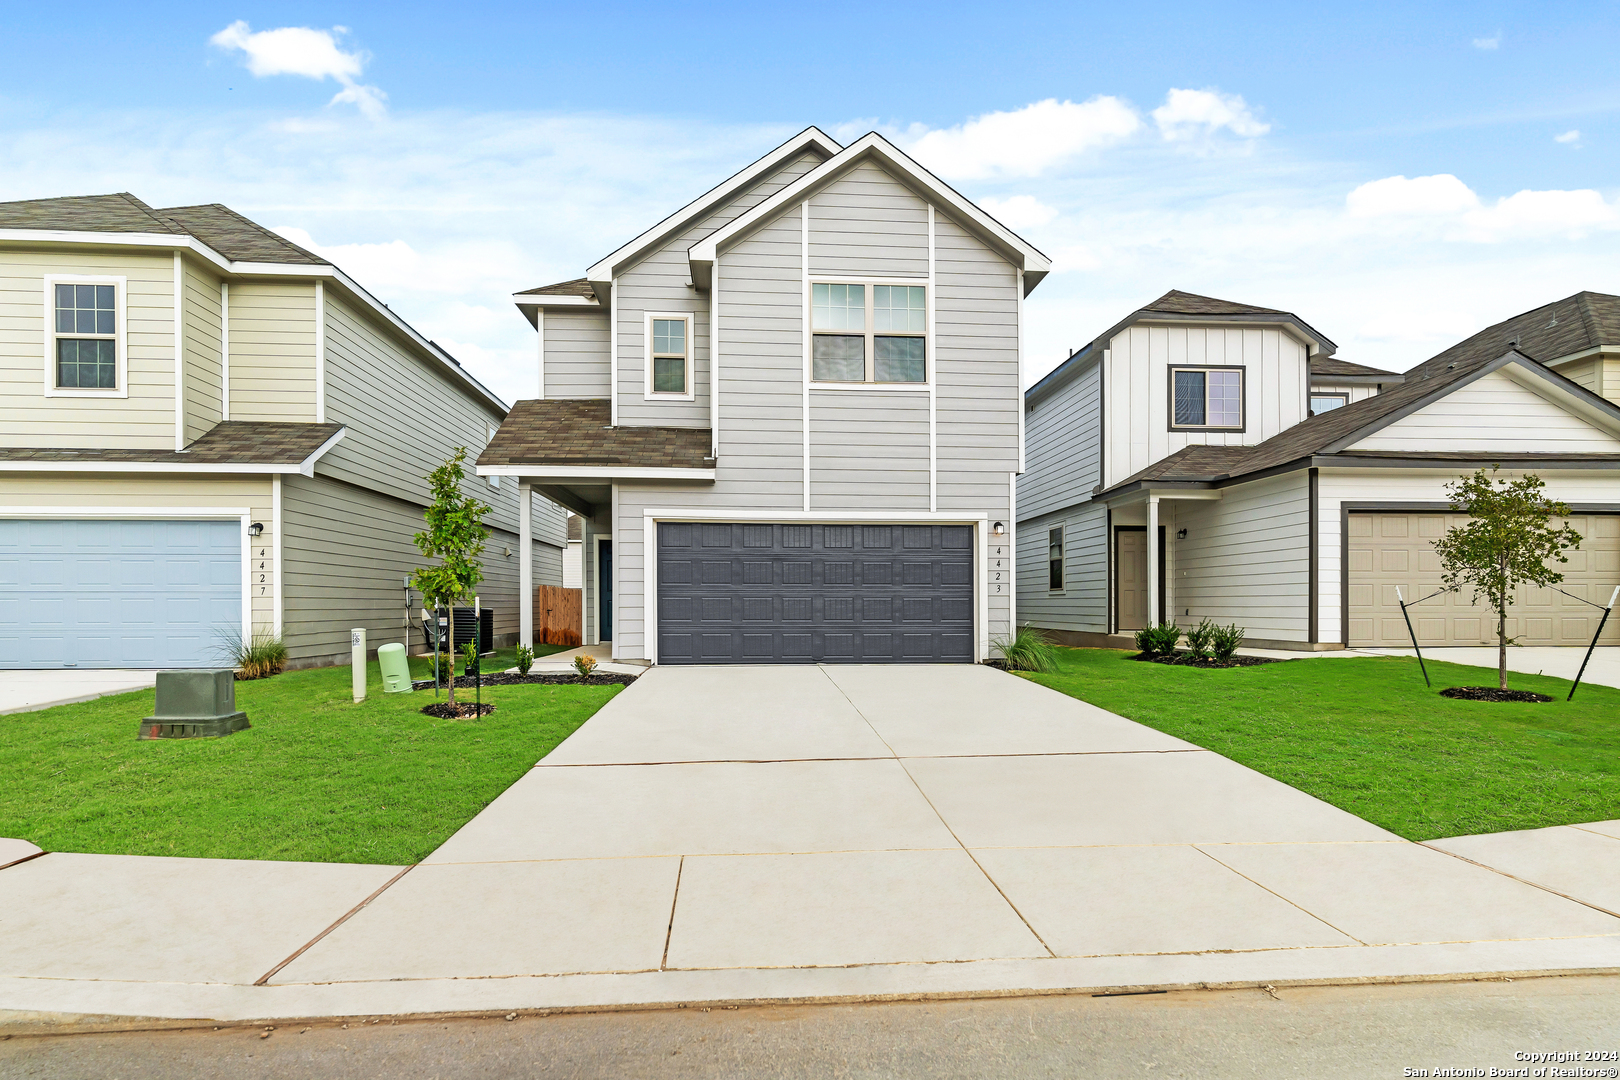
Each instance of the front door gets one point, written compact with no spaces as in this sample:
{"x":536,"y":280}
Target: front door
{"x":604,"y":569}
{"x":1131,"y":577}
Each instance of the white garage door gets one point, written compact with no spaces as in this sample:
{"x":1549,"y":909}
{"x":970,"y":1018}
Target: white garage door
{"x":1397,"y":549}
{"x":119,"y":593}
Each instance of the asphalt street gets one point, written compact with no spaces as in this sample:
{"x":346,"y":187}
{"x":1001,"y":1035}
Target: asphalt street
{"x":1356,"y":1031}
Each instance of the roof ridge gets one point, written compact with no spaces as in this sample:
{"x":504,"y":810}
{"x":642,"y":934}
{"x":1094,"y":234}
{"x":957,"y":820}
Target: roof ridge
{"x":245,"y":220}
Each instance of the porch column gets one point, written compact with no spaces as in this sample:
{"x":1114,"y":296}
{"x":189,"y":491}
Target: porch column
{"x":1153,"y":558}
{"x":525,"y":564}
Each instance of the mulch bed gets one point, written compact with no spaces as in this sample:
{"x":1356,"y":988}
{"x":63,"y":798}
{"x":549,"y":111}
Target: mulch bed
{"x":551,"y":678}
{"x":458,"y":711}
{"x":1184,"y":659}
{"x":1491,"y":693}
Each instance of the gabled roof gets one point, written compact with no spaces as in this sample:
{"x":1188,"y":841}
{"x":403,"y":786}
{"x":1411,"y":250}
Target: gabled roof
{"x":237,"y":238}
{"x":1332,"y":365}
{"x":1177,"y":306}
{"x":121,"y":212}
{"x":1548,"y":333}
{"x":811,"y":138}
{"x":1015,"y":248}
{"x":575,"y":287}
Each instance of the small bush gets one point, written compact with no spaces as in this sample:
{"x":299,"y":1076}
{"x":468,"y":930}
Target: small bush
{"x":1224,"y":640}
{"x":469,"y":659}
{"x":1199,"y":637}
{"x":1028,"y":649}
{"x":585,"y":664}
{"x":525,"y":659}
{"x":257,"y":656}
{"x":1158,"y":640}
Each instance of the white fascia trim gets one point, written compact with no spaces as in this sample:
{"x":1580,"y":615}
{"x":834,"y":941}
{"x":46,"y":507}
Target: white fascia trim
{"x":225,"y":351}
{"x":809,"y":138}
{"x":150,"y":467}
{"x":221,"y":512}
{"x":320,"y":351}
{"x":551,"y":474}
{"x":544,"y":301}
{"x":307,"y":466}
{"x":1025,"y":256}
{"x":179,"y":354}
{"x":887,"y":517}
{"x":275,"y":553}
{"x":295,"y":270}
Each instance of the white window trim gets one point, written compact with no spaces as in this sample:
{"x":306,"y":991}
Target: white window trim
{"x":120,"y":306}
{"x":648,"y":393}
{"x":1062,"y":528}
{"x":924,"y":387}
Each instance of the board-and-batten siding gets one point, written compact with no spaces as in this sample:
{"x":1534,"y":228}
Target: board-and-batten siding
{"x":1352,"y":394}
{"x":272,"y":342}
{"x":1138,"y":380}
{"x":659,"y":283}
{"x":1491,"y":413}
{"x":142,"y":420}
{"x":975,"y":371}
{"x":1063,"y":445}
{"x":1082,"y":604}
{"x":866,"y":223}
{"x":1245,"y":558}
{"x":575,"y":356}
{"x":203,"y":385}
{"x":252,"y":493}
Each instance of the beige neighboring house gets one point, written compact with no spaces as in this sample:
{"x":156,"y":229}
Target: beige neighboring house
{"x":1294,"y":493}
{"x":205,"y":427}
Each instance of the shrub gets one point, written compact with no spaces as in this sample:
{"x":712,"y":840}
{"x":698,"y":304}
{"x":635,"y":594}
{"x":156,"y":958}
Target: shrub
{"x":469,"y":659}
{"x":1028,"y":649}
{"x":1158,"y":640}
{"x":525,"y":659}
{"x":1224,"y":640}
{"x":257,"y":656}
{"x":585,"y":663}
{"x":1199,"y":638}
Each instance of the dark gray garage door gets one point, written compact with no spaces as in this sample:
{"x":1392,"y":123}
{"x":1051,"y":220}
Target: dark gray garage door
{"x":802,"y":594}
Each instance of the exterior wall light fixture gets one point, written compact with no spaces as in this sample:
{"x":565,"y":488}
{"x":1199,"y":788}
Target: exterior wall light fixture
{"x":998,"y":529}
{"x":1181,"y":534}
{"x":256,"y":529}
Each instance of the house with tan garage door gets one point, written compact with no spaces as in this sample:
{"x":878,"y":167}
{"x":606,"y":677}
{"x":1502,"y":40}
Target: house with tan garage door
{"x":207,"y":427}
{"x":1190,"y":463}
{"x":788,"y":416}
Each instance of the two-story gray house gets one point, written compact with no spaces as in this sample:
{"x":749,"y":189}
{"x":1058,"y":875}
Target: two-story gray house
{"x":204,"y":426}
{"x":789,"y":417}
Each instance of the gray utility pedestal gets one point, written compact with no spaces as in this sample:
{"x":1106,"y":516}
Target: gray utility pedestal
{"x":193,"y":705}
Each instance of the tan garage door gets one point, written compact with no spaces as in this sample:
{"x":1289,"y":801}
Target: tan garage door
{"x":1387,"y":550}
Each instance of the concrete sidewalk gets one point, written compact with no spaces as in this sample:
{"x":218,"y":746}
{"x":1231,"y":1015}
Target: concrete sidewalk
{"x":1564,"y":663}
{"x":31,"y":689}
{"x":802,"y":833}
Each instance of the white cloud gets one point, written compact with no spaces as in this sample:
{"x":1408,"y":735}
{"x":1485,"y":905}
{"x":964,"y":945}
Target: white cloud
{"x":1188,"y":114}
{"x":1540,"y":213}
{"x":313,"y":54}
{"x":1019,"y":211}
{"x":1025,"y":142}
{"x":1421,"y":195}
{"x":1489,"y":44}
{"x":1571,"y":136}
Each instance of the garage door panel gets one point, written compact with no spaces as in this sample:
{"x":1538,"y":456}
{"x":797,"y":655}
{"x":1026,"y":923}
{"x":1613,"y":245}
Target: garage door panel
{"x":117,"y":593}
{"x":831,"y":593}
{"x":1393,"y":550}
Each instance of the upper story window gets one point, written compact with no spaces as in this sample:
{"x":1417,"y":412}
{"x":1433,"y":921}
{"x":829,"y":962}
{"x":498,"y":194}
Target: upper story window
{"x":83,"y":353}
{"x":1206,"y":399}
{"x":868,"y":333}
{"x":1321,"y":403}
{"x":669,"y":356}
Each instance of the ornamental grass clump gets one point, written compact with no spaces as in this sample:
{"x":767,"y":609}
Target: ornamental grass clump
{"x":1028,"y":649}
{"x":255,"y":656}
{"x":1158,"y":640}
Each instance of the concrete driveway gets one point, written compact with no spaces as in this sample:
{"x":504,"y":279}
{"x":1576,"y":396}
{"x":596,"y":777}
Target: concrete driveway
{"x":27,"y":690}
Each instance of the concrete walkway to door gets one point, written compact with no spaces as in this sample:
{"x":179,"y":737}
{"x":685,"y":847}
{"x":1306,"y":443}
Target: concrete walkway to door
{"x":814,"y":833}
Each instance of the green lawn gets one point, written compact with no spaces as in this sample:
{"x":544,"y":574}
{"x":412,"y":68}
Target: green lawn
{"x":316,"y":777}
{"x":1366,"y":735}
{"x":500,"y":660}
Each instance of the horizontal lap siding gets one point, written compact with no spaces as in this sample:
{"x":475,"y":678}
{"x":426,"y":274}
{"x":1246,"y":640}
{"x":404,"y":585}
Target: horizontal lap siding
{"x":144,"y":419}
{"x":272,"y":345}
{"x":868,"y":223}
{"x":659,"y":283}
{"x":1245,"y":559}
{"x":869,"y":450}
{"x":203,"y":375}
{"x":1492,"y":413}
{"x":1082,"y":605}
{"x":576,"y":354}
{"x":1063,"y":444}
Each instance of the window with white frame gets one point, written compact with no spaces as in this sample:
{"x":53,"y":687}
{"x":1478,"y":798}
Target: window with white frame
{"x":1327,"y":402}
{"x":1054,"y":559}
{"x":868,"y":333}
{"x":669,"y":355}
{"x":1206,"y":399}
{"x":84,"y":336}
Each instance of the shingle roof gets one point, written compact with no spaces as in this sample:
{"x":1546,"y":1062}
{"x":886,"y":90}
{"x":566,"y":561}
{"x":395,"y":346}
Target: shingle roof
{"x":1176,"y":302}
{"x":1332,"y":365}
{"x":554,"y":432}
{"x":576,"y":287}
{"x":220,"y":227}
{"x":1571,"y":325}
{"x":234,"y":442}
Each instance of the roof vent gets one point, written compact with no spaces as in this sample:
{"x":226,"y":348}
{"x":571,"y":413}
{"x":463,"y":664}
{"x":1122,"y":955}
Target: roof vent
{"x":1553,"y":323}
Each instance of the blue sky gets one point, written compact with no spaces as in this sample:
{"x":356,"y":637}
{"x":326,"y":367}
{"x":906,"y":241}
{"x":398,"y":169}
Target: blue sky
{"x":1398,"y":175}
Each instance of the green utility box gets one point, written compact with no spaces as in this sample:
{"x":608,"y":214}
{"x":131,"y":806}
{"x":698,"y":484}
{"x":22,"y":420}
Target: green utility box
{"x":396,"y":670}
{"x":194,"y":705}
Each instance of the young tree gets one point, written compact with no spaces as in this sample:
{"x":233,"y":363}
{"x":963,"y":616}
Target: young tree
{"x":455,"y":536}
{"x":1508,"y":543}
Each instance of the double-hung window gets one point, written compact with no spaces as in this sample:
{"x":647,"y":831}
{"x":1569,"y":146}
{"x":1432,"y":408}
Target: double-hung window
{"x":868,"y":333}
{"x":1206,"y":399}
{"x":669,"y":356}
{"x":1054,"y":559}
{"x":1321,"y":403}
{"x":84,"y":340}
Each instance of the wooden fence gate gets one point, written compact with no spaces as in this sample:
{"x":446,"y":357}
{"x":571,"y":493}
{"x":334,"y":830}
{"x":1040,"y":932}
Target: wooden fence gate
{"x":557,"y":616}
